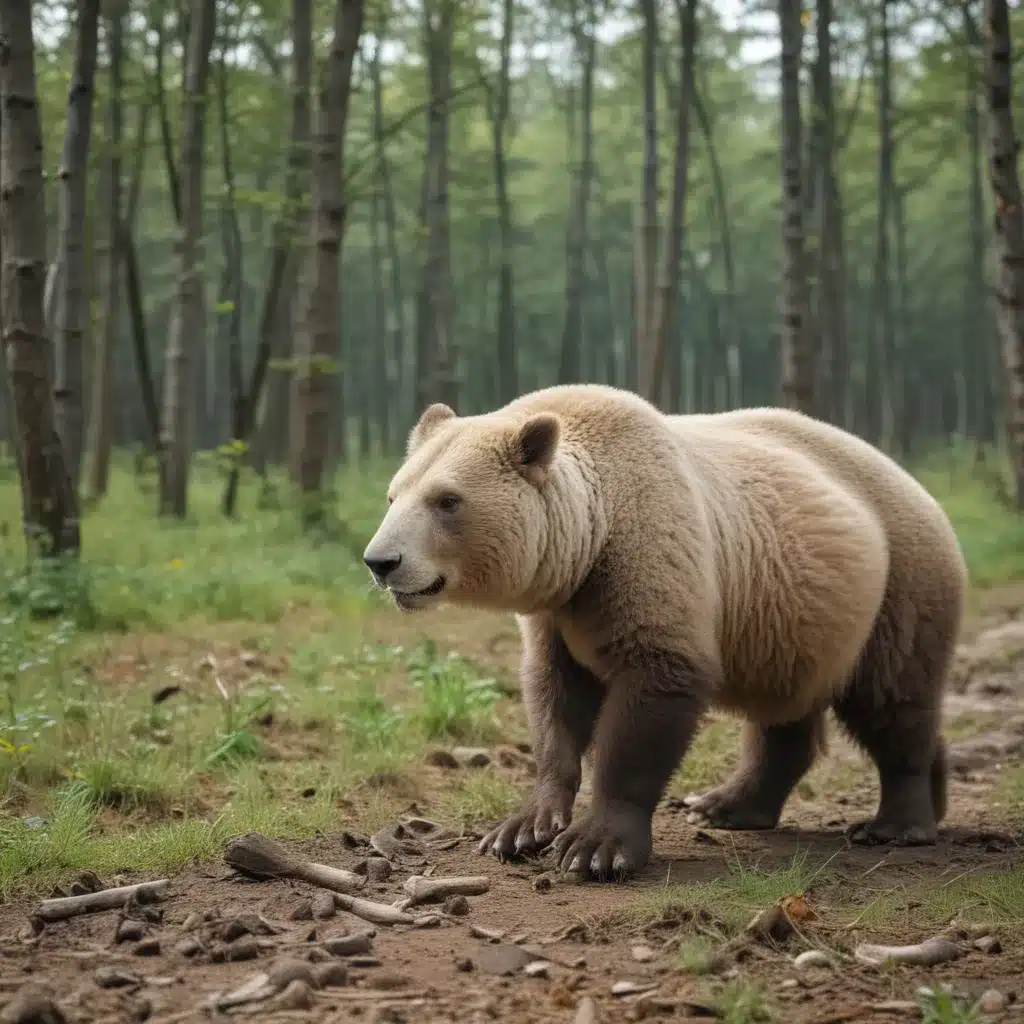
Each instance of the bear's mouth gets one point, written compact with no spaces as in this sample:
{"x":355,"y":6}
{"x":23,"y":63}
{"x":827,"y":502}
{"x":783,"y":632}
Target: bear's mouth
{"x":408,"y":598}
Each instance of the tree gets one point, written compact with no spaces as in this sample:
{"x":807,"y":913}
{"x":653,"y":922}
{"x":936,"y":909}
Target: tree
{"x":1005,"y":181}
{"x":797,"y":345}
{"x":72,"y":305}
{"x":49,"y":507}
{"x":315,"y":396}
{"x":186,"y":321}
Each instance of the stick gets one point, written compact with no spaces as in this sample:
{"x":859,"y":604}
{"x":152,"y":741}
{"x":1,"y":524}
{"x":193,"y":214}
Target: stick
{"x":62,"y":908}
{"x":433,"y":890}
{"x":375,"y":913}
{"x":259,"y":856}
{"x":924,"y":954}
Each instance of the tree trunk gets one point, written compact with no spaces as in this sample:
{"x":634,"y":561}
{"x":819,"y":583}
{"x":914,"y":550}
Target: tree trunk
{"x":49,"y":505}
{"x":186,"y":317}
{"x":316,"y":396}
{"x":101,"y":404}
{"x":438,"y":375}
{"x":797,"y":345}
{"x":508,"y":384}
{"x":1005,"y":181}
{"x":72,"y":304}
{"x":578,"y":234}
{"x":646,"y":251}
{"x":667,"y":294}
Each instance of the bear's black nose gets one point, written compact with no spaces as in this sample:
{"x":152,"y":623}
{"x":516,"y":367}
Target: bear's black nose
{"x":382,"y":567}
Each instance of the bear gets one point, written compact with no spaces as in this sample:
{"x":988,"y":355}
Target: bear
{"x":759,"y":561}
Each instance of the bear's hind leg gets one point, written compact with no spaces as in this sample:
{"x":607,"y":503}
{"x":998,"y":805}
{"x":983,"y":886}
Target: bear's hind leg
{"x":774,"y":759}
{"x":891,"y":707}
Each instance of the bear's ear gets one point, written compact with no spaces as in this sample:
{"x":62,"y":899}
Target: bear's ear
{"x":533,"y":445}
{"x":433,"y":416}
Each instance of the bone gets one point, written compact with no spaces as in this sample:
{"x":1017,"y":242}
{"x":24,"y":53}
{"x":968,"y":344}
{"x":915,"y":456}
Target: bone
{"x":421,"y":889}
{"x":62,"y":908}
{"x":923,"y":954}
{"x":258,"y":856}
{"x":375,"y":913}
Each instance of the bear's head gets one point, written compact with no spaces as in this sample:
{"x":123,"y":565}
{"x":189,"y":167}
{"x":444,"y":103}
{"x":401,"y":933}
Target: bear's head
{"x":468,"y":518}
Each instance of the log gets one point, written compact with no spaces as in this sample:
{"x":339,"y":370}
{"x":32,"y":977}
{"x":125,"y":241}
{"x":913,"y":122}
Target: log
{"x":61,"y":908}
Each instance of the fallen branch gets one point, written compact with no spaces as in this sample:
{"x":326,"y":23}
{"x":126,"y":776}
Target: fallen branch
{"x":375,"y":913}
{"x":61,"y":908}
{"x":434,"y":890}
{"x":258,"y":856}
{"x":923,"y":954}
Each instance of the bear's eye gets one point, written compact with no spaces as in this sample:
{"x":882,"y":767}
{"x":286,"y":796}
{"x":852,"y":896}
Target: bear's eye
{"x":448,"y":502}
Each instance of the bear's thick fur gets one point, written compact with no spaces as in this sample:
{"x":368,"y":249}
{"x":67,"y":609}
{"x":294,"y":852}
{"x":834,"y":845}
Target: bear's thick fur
{"x":759,"y":561}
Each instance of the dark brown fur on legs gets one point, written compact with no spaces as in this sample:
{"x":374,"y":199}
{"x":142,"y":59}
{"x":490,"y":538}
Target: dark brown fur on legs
{"x":654,"y":703}
{"x":562,"y":701}
{"x":774,"y":760}
{"x":892,"y":709}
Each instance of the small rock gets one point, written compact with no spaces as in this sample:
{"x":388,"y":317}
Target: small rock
{"x":302,"y":911}
{"x":538,"y":969}
{"x":147,"y":947}
{"x":463,"y":964}
{"x":441,"y":758}
{"x":324,"y":906}
{"x":297,"y":995}
{"x":989,"y":944}
{"x":542,"y":883}
{"x":503,"y":960}
{"x":139,"y":1008}
{"x":31,"y":1006}
{"x":631,"y":988}
{"x":333,"y":974}
{"x":192,"y":922}
{"x":244,"y":924}
{"x":586,"y":1012}
{"x":472,"y":757}
{"x":812,"y":958}
{"x":378,"y":869}
{"x":992,"y":1001}
{"x":457,"y":906}
{"x":642,"y":954}
{"x":285,"y":971}
{"x":316,"y":955}
{"x":427,"y":921}
{"x":789,"y":983}
{"x":114,"y":977}
{"x":348,"y":945}
{"x":245,"y":948}
{"x":129,"y":931}
{"x":189,"y":946}
{"x":390,"y":981}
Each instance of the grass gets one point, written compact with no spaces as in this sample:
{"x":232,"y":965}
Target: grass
{"x":190,"y":681}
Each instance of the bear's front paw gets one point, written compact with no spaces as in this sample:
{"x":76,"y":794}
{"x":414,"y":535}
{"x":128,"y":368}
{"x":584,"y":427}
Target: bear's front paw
{"x":879,"y":832}
{"x":612,"y":840}
{"x":729,"y":807}
{"x":529,"y":830}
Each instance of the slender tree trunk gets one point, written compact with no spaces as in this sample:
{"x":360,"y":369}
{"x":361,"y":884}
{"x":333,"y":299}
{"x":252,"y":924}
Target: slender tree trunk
{"x":186,"y":318}
{"x":49,"y":505}
{"x":101,"y":404}
{"x":646,"y":252}
{"x":797,"y":344}
{"x":508,"y":384}
{"x":72,"y":305}
{"x":667,"y":294}
{"x":578,"y":234}
{"x":439,"y":375}
{"x":316,"y":395}
{"x":1005,"y":181}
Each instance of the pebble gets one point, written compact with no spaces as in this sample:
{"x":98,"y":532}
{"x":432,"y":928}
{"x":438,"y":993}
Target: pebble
{"x":324,"y":906}
{"x":542,"y":883}
{"x":642,"y":954}
{"x":115,"y":977}
{"x":988,"y":944}
{"x":297,"y":995}
{"x":147,"y":947}
{"x":192,"y":922}
{"x":129,"y":931}
{"x":378,"y":869}
{"x":538,"y":969}
{"x":812,"y":958}
{"x":189,"y":946}
{"x":471,"y":757}
{"x":992,"y":1001}
{"x":586,"y":1012}
{"x":348,"y":945}
{"x":139,"y":1007}
{"x":302,"y":911}
{"x":456,"y":906}
{"x":244,"y":924}
{"x":245,"y":948}
{"x":333,"y":974}
{"x":463,"y":964}
{"x":789,"y":983}
{"x":30,"y":1006}
{"x":630,"y":988}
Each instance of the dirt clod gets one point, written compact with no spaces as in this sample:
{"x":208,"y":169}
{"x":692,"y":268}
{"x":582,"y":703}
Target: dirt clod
{"x":502,"y":959}
{"x":463,"y":964}
{"x":992,"y":1001}
{"x":378,"y":869}
{"x":988,"y":944}
{"x":302,"y":911}
{"x":471,"y":757}
{"x":189,"y":947}
{"x":457,"y":906}
{"x":642,"y":954}
{"x":245,"y":948}
{"x":441,"y":758}
{"x":323,"y":906}
{"x":542,"y":883}
{"x":285,"y":971}
{"x":244,"y":924}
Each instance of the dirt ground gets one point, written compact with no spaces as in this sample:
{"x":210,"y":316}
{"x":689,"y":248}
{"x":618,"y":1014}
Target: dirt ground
{"x":216,"y":929}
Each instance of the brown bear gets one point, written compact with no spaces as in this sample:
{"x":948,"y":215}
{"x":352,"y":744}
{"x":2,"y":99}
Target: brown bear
{"x":758,"y":561}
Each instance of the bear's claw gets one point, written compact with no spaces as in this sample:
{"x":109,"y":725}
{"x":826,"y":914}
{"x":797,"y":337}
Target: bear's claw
{"x":882,"y":833}
{"x":605,"y":844}
{"x":530,"y":829}
{"x":727,"y":809}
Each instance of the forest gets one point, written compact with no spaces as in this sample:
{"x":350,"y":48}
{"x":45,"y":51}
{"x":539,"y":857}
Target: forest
{"x":242,"y":247}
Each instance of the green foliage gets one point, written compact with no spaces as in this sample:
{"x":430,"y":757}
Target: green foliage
{"x":940,"y":1006}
